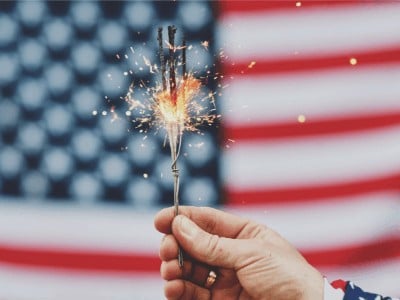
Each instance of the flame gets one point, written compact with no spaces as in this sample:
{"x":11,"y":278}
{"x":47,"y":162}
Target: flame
{"x":175,"y":111}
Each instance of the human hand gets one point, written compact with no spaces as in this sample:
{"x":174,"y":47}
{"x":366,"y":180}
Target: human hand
{"x":251,"y":261}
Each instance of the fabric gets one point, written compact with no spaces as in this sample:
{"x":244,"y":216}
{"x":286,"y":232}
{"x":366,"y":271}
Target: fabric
{"x":353,"y":292}
{"x":331,"y":293}
{"x":311,"y":121}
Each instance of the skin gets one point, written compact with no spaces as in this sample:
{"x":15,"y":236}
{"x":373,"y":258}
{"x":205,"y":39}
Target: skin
{"x":251,"y":260}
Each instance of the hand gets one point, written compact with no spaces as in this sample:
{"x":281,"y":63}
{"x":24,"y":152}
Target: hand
{"x":251,"y":261}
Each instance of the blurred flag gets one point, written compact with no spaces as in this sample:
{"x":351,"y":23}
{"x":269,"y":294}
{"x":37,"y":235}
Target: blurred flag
{"x":311,"y":119}
{"x":311,"y":125}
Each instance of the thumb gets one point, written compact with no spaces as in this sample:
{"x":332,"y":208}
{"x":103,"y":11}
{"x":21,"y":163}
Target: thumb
{"x":208,"y":248}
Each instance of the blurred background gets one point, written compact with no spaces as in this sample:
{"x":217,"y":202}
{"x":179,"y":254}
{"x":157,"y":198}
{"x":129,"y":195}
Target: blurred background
{"x":308,"y":142}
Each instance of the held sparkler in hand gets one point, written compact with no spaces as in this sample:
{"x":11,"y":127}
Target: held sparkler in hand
{"x":172,"y":106}
{"x":173,"y":103}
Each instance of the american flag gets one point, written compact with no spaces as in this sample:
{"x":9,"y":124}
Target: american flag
{"x":310,"y":147}
{"x":313,"y":105}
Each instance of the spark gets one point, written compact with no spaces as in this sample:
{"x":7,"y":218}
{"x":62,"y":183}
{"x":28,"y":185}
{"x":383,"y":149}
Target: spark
{"x":148,"y":63}
{"x":353,"y":61}
{"x":114,"y":115}
{"x":251,"y":65}
{"x":301,"y":118}
{"x":298,"y":4}
{"x":174,"y":48}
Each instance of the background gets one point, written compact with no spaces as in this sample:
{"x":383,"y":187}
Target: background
{"x":308,"y":142}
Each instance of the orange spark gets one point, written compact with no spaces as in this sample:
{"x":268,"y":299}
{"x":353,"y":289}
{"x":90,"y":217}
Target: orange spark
{"x":174,"y":48}
{"x":170,"y":112}
{"x":251,"y":65}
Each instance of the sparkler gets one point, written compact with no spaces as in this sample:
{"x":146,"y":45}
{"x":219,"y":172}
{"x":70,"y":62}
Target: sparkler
{"x":172,"y":104}
{"x":172,"y":110}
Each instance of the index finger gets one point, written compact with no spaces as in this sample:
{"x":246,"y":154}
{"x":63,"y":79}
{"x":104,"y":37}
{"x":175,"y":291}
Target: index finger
{"x":209,"y":219}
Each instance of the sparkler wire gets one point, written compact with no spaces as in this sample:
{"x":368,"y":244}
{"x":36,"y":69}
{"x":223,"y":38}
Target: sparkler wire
{"x":174,"y":131}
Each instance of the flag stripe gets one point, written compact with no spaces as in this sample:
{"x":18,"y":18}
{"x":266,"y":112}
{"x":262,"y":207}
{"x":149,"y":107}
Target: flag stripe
{"x":328,"y":192}
{"x":228,"y":7}
{"x":135,"y":263}
{"x":309,"y":33}
{"x":328,"y":220}
{"x":21,"y":282}
{"x":302,"y":63}
{"x":329,"y":94}
{"x":311,"y":127}
{"x":318,"y":161}
{"x":379,"y":250}
{"x":81,"y":260}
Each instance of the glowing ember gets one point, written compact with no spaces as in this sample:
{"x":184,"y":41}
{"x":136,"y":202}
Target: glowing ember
{"x":175,"y":111}
{"x":301,"y":118}
{"x":251,"y":65}
{"x":353,"y":61}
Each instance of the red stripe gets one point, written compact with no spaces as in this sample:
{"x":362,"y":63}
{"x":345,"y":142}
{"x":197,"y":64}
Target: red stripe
{"x":82,"y":261}
{"x":384,"y":249}
{"x":301,"y":63}
{"x":78,"y":260}
{"x":311,"y":127}
{"x":235,"y":6}
{"x":311,"y":193}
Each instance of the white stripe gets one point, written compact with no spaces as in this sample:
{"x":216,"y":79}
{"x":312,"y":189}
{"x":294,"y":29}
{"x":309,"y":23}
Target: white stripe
{"x":319,"y":228}
{"x":263,"y":99}
{"x":97,"y":228}
{"x":309,"y":32}
{"x":311,"y":161}
{"x":381,"y":278}
{"x":327,"y":225}
{"x":22,"y":283}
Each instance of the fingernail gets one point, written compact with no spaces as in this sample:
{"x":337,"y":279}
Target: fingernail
{"x":187,"y":226}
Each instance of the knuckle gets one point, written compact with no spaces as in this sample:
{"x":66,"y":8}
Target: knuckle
{"x":213,"y":247}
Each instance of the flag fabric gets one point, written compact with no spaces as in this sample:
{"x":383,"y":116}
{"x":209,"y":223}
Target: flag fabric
{"x":311,"y":118}
{"x":310,"y":105}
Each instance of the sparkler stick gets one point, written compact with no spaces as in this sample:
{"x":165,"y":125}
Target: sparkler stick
{"x":174,"y":127}
{"x":162,"y":60}
{"x":184,"y":58}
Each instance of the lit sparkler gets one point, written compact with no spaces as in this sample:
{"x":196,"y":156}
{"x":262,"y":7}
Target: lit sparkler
{"x":173,"y":104}
{"x":172,"y":112}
